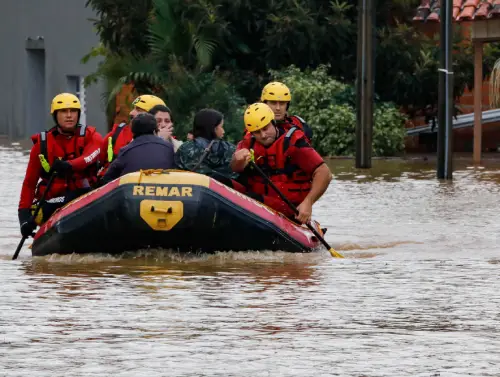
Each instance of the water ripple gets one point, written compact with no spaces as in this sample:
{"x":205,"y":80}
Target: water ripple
{"x":416,"y":295}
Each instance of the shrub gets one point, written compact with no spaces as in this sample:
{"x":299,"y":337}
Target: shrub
{"x":328,"y":107}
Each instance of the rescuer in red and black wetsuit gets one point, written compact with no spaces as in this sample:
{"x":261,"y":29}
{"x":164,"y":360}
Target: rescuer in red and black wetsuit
{"x":287,"y":158}
{"x":71,"y":151}
{"x":278,"y":97}
{"x":121,"y":134}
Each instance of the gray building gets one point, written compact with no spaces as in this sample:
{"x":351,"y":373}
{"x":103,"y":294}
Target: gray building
{"x":42,"y":43}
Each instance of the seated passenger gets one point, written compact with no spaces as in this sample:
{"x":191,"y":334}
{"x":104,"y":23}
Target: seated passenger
{"x":69,"y":149}
{"x":163,"y":117}
{"x":286,"y":158}
{"x":207,"y":153}
{"x":146,"y":151}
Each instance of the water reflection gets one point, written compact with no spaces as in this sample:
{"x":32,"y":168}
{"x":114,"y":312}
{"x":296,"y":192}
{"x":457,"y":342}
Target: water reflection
{"x":416,"y":296}
{"x":393,"y":170}
{"x":158,"y":269}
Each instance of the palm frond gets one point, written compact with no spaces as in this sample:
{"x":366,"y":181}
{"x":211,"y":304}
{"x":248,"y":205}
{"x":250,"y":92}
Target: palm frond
{"x":204,"y":48}
{"x":163,"y":28}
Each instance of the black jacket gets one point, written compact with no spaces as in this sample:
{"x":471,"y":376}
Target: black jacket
{"x":144,"y":152}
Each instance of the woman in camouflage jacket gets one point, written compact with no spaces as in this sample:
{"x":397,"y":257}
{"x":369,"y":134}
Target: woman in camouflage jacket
{"x":207,"y":153}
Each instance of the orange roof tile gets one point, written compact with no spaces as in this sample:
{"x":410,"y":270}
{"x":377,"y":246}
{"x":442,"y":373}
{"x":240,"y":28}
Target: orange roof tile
{"x":463,"y":10}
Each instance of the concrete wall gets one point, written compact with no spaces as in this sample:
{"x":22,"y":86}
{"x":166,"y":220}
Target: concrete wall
{"x":42,"y":43}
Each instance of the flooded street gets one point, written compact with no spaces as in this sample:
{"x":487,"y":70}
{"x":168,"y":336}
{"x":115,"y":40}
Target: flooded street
{"x":418,"y":293}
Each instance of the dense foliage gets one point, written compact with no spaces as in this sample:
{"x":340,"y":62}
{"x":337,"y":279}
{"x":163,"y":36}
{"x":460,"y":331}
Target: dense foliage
{"x":328,"y":106}
{"x":220,"y":53}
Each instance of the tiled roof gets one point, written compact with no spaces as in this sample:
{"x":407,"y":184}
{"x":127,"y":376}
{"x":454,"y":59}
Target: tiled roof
{"x":463,"y":10}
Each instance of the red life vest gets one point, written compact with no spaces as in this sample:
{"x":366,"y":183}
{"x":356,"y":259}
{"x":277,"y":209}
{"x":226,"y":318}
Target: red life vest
{"x":51,"y":150}
{"x":275,"y":161}
{"x":115,"y":141}
{"x":296,"y":121}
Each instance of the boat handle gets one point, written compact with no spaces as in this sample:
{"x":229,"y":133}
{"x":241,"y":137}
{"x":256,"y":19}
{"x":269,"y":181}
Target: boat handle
{"x":160,"y":210}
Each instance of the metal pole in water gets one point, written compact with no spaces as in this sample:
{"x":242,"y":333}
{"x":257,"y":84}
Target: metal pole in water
{"x":445,"y":95}
{"x":365,"y":84}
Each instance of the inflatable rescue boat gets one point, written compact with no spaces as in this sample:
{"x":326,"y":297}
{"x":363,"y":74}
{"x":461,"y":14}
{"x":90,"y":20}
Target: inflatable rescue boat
{"x":178,"y":210}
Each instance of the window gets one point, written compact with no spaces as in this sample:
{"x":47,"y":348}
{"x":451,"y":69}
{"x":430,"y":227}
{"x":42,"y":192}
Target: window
{"x":75,"y":85}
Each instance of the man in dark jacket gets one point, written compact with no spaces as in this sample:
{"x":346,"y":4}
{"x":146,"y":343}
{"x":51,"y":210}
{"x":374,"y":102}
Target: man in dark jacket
{"x":146,"y":151}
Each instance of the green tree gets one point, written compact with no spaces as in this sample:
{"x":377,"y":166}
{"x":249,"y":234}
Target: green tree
{"x":122,"y":25}
{"x":177,"y":66}
{"x":161,"y":44}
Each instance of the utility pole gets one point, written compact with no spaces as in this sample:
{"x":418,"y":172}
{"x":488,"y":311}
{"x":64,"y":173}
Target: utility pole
{"x":445,"y":95}
{"x":365,"y":83}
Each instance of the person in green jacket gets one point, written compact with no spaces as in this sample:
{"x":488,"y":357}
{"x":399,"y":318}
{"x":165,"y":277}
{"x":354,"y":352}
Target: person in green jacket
{"x":207,"y":153}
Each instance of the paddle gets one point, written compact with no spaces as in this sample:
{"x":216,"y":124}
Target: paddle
{"x":332,"y":251}
{"x":35,"y":214}
{"x":205,"y":154}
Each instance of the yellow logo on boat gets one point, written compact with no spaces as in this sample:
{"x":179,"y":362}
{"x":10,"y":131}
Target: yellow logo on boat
{"x":145,"y":190}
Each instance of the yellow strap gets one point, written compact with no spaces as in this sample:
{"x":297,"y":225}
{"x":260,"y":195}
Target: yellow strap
{"x":44,"y":162}
{"x":39,"y":216}
{"x":110,"y":148}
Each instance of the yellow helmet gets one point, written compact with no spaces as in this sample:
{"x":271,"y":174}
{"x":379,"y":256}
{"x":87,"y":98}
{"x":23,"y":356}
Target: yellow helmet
{"x":65,"y":101}
{"x":257,"y":116}
{"x":276,"y":91}
{"x":147,"y":101}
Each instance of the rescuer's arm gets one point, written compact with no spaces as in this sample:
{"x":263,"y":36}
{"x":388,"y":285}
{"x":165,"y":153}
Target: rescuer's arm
{"x":31,"y":178}
{"x":90,"y":153}
{"x":310,"y":162}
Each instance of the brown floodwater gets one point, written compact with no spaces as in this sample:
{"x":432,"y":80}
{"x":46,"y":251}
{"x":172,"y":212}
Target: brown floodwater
{"x":416,"y":295}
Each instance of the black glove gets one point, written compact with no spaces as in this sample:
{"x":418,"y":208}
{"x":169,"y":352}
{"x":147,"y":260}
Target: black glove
{"x":28,"y":228}
{"x":61,"y":167}
{"x":26,"y":222}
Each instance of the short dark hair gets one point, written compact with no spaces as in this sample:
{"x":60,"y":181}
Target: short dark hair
{"x":160,"y":108}
{"x":144,"y":124}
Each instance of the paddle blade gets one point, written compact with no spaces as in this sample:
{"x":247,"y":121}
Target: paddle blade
{"x":335,"y":253}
